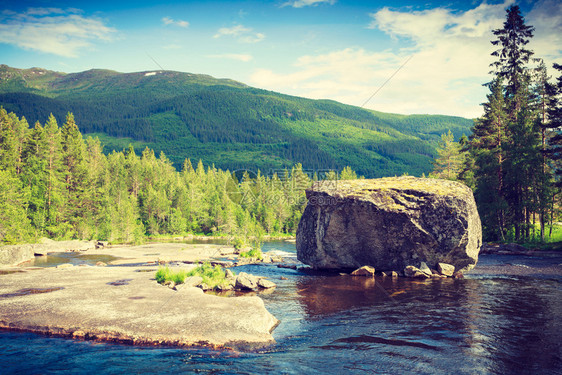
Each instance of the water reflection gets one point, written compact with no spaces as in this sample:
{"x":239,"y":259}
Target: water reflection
{"x":55,"y":259}
{"x":493,"y":326}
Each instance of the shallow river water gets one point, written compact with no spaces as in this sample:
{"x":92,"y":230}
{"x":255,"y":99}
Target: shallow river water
{"x":505,"y":317}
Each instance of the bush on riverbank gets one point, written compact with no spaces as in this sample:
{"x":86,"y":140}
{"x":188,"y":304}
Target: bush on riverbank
{"x":212,"y":276}
{"x":165,"y":274}
{"x":253,"y":253}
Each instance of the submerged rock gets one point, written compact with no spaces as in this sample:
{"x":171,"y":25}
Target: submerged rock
{"x":266,"y":284}
{"x":389,"y":223}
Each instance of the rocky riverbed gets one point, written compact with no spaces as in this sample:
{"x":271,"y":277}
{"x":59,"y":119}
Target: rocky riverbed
{"x":123,"y":302}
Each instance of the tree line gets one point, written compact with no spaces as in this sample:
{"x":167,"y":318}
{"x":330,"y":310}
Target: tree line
{"x":512,"y":157}
{"x":57,"y":184}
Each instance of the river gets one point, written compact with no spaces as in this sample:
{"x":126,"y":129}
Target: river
{"x":505,"y":317}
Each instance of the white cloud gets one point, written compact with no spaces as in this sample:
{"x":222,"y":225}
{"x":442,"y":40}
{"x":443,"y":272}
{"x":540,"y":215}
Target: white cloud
{"x":450,"y":61}
{"x":233,"y":56}
{"x":170,"y":21}
{"x":305,"y":3}
{"x":52,"y":30}
{"x":242,"y":33}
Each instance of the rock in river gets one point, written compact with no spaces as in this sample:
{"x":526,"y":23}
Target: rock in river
{"x":389,"y":223}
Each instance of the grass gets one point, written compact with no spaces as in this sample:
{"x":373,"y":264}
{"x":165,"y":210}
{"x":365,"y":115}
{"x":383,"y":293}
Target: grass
{"x":165,"y":274}
{"x":253,"y":253}
{"x":212,"y":276}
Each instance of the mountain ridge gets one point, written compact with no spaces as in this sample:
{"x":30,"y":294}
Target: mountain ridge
{"x":228,"y":123}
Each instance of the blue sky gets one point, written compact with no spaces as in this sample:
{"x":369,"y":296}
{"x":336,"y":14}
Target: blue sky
{"x":321,"y":49}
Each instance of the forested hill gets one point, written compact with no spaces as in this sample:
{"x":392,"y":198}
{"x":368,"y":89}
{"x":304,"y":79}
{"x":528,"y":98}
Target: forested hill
{"x":227,"y":123}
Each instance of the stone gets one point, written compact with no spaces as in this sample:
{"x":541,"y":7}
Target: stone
{"x":227,"y":251}
{"x":101,"y":244}
{"x":193,"y":281}
{"x":367,"y":271}
{"x":245,"y":281}
{"x":229,"y":274}
{"x":12,"y":255}
{"x":393,"y":274}
{"x":425,"y":269}
{"x":446,"y":269}
{"x":389,"y":223}
{"x":101,"y":264}
{"x":82,"y":304}
{"x":414,"y":272}
{"x":266,"y":284}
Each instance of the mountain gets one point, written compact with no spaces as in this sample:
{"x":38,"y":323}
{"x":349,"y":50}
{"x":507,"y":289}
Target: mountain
{"x":227,"y":123}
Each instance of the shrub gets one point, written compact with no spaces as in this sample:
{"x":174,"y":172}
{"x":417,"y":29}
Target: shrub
{"x":238,"y":243}
{"x":254,"y":253}
{"x":212,"y":276}
{"x":166,"y":274}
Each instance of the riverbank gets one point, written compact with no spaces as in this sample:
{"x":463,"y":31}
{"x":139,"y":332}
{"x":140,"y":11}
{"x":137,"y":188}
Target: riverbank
{"x":123,"y":303}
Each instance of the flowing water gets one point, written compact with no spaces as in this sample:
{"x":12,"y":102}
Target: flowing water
{"x":505,"y":317}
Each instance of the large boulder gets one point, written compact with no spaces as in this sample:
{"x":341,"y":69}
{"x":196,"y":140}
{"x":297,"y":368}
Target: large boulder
{"x":389,"y":223}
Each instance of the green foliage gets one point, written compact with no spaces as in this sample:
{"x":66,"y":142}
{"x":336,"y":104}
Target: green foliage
{"x":15,"y":227}
{"x":212,"y":276}
{"x":165,"y":274}
{"x":252,"y":253}
{"x":238,"y":243}
{"x":449,"y":162}
{"x":229,"y":124}
{"x":512,"y":179}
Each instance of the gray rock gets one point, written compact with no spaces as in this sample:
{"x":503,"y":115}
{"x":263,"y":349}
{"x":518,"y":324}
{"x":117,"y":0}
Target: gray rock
{"x":446,"y":269}
{"x":245,"y":281}
{"x":389,"y":223}
{"x":101,"y":244}
{"x":394,"y":274}
{"x":140,"y":312}
{"x":415,"y":272}
{"x":425,"y":269}
{"x":15,"y":254}
{"x":266,"y":284}
{"x":193,"y":281}
{"x":227,"y":251}
{"x":367,"y":271}
{"x":229,"y":274}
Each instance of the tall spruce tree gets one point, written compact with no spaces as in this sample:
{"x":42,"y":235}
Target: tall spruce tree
{"x":506,"y":142}
{"x":488,"y":140}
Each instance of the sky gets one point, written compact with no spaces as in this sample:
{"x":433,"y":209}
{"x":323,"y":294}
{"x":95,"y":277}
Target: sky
{"x":406,"y":57}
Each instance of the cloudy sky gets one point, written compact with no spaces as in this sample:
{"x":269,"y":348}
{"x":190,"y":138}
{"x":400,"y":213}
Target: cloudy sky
{"x":400,"y":56}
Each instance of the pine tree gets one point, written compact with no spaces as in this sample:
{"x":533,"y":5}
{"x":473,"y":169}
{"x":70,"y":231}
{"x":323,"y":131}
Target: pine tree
{"x":75,"y":174}
{"x":449,"y":162}
{"x":513,"y":56}
{"x":15,"y":226}
{"x":554,"y":125}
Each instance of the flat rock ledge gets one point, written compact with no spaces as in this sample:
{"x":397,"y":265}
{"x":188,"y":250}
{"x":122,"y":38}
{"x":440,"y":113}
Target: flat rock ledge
{"x":16,"y":254}
{"x":120,"y":304}
{"x":390,"y":224}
